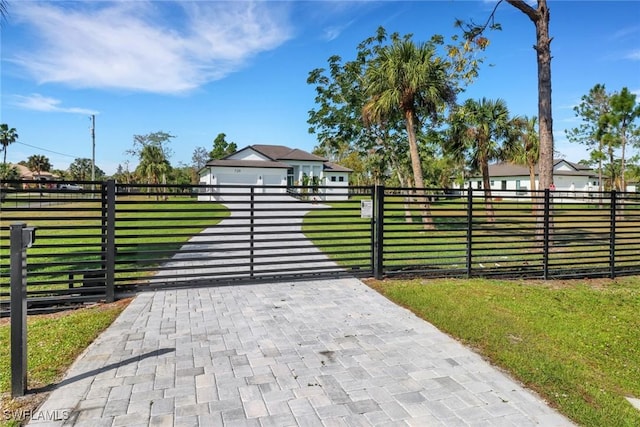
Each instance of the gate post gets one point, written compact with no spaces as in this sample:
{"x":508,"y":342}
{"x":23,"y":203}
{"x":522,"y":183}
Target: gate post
{"x":21,"y":237}
{"x":546,"y":234}
{"x":612,"y":235}
{"x":110,"y":243}
{"x":469,"y":231}
{"x":378,"y":218}
{"x":251,"y":232}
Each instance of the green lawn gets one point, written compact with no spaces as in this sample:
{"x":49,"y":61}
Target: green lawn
{"x":68,"y":236}
{"x":53,"y":344}
{"x":580,"y":233}
{"x":575,"y":343}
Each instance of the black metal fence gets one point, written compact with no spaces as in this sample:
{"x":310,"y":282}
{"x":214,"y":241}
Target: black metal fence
{"x":106,"y":240}
{"x":540,"y":235}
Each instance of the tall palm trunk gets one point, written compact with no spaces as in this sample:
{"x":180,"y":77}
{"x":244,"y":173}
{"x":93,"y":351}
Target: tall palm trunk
{"x":540,"y":18}
{"x":417,"y":169}
{"x":532,"y":185}
{"x":486,"y":184}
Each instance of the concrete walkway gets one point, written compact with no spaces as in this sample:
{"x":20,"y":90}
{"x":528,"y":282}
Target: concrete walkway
{"x":322,"y":353}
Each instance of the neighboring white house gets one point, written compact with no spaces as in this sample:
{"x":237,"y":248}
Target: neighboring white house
{"x":272,"y":165}
{"x":567,"y":177}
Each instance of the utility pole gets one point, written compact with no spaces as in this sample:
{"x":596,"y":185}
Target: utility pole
{"x":93,"y":147}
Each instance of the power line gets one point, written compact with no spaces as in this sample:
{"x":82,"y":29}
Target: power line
{"x":44,"y":149}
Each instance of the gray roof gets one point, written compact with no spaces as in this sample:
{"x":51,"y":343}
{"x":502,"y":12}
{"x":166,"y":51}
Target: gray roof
{"x":248,"y":164}
{"x":510,"y":169}
{"x":333,"y":167}
{"x":280,"y":152}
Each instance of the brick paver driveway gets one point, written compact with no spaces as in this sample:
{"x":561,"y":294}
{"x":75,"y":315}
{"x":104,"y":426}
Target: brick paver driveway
{"x":318,"y":353}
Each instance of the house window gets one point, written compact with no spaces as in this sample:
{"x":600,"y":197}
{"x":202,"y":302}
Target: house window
{"x":479,"y":184}
{"x":503,"y":185}
{"x":491,"y":183}
{"x":333,"y":179}
{"x":341,"y":179}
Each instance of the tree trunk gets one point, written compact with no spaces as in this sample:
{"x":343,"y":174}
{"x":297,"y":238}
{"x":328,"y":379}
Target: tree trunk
{"x":416,"y":166}
{"x":406,"y":198}
{"x":623,"y":144}
{"x":623,"y":181}
{"x":486,"y":184}
{"x":543,"y":49}
{"x":532,"y":187}
{"x":540,"y":18}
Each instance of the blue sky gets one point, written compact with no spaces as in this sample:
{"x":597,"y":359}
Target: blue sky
{"x":198,"y":68}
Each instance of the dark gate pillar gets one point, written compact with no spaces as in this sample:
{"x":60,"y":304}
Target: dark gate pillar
{"x":21,"y":237}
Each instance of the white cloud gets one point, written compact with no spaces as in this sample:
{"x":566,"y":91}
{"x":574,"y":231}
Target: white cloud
{"x":634,"y":55}
{"x":157,"y":47}
{"x":333,"y":32}
{"x":626,"y":32}
{"x":38,"y":102}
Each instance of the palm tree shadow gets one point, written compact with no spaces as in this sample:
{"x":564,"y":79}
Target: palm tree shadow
{"x":97,"y":371}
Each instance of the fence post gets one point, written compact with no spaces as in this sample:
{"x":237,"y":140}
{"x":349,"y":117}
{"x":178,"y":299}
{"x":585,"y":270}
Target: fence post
{"x":378,"y":218}
{"x":21,"y":237}
{"x":546,"y":233}
{"x":110,"y":242}
{"x":372,"y":223}
{"x":612,"y":234}
{"x":251,"y":231}
{"x":469,"y":230}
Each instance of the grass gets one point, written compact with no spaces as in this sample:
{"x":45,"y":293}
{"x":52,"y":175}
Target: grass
{"x":72,"y":232}
{"x":54,"y":342}
{"x":575,"y":343}
{"x":581,"y":236}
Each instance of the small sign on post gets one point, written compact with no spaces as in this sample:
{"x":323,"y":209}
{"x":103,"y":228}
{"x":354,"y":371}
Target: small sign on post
{"x":21,"y":238}
{"x":366,"y":208}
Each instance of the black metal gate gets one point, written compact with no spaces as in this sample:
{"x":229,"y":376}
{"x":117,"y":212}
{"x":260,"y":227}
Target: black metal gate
{"x":166,"y":236}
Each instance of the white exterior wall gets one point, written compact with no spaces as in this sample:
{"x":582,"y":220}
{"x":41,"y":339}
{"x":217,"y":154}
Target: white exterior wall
{"x":226,"y":175}
{"x":248,"y":154}
{"x":574,"y":183}
{"x":496,"y":183}
{"x":567,"y":184}
{"x":300,"y":167}
{"x":339,"y":190}
{"x":205,"y":179}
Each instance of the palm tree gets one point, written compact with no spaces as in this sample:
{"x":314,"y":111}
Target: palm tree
{"x":4,"y":10}
{"x":409,"y":80}
{"x":478,"y":129}
{"x":8,"y":173}
{"x":525,"y":148}
{"x":7,"y":136}
{"x":38,"y":163}
{"x":153,"y":164}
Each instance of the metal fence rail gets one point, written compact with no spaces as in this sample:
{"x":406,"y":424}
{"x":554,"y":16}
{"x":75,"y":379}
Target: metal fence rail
{"x":66,"y":268}
{"x":107,"y":240}
{"x":535,"y":235}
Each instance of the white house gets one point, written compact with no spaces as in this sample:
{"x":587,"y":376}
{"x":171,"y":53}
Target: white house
{"x":567,"y":177}
{"x":272,"y":165}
